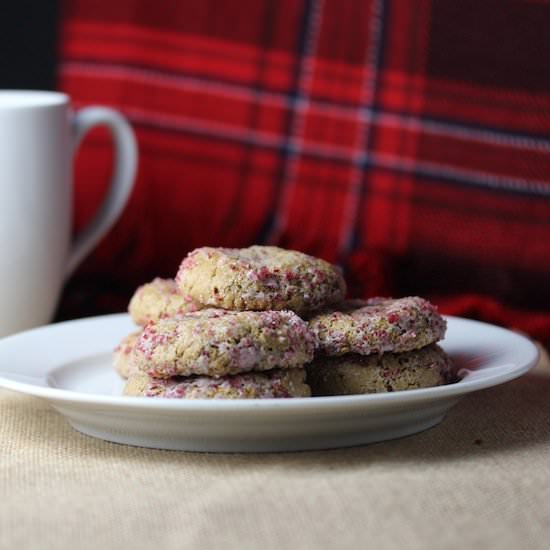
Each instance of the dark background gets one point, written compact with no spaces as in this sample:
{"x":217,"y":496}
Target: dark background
{"x":28,"y":30}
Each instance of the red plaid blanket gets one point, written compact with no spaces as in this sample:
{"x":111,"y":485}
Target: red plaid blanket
{"x":408,"y":141}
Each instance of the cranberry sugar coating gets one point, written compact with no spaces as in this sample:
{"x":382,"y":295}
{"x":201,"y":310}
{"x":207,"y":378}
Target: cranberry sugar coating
{"x":259,"y":278}
{"x":159,"y":299}
{"x":378,"y":325}
{"x":122,"y":354}
{"x":275,"y":383}
{"x":216,"y":342}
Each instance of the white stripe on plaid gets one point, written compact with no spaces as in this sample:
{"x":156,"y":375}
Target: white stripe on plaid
{"x":368,"y":93}
{"x":477,"y":178}
{"x":334,"y":153}
{"x":295,"y":141}
{"x":335,"y":110}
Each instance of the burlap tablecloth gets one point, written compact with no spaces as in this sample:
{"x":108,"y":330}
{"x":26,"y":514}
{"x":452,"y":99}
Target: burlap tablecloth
{"x":481,"y":479}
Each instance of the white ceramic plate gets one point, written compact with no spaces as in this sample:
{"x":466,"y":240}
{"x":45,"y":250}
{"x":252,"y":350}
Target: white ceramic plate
{"x":69,"y":364}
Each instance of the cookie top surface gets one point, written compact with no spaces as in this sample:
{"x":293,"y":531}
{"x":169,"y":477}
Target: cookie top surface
{"x":377,"y":325}
{"x":216,"y":342}
{"x":259,"y":278}
{"x":252,"y":385}
{"x":159,"y":299}
{"x":357,"y":374}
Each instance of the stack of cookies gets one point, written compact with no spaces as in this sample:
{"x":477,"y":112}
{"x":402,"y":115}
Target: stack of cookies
{"x":233,"y":324}
{"x":228,"y":325}
{"x":379,"y":345}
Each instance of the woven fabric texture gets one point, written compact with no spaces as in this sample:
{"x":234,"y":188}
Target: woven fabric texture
{"x":479,"y":480}
{"x":407,"y":141}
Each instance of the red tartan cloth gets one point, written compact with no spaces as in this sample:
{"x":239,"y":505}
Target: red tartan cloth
{"x":407,"y":141}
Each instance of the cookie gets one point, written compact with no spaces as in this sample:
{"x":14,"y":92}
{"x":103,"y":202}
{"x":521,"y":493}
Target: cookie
{"x":216,"y":342}
{"x":122,"y":354}
{"x":252,"y":385}
{"x":259,"y":278}
{"x":356,"y":374}
{"x":157,"y":300}
{"x":378,"y":325}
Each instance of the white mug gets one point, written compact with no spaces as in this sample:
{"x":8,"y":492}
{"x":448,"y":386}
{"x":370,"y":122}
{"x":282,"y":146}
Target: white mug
{"x":39,"y":135}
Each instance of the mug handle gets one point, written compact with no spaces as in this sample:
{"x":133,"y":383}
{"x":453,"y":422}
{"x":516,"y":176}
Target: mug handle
{"x":122,"y":180}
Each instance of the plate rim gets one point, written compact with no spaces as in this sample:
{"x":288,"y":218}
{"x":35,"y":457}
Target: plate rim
{"x":455,"y":390}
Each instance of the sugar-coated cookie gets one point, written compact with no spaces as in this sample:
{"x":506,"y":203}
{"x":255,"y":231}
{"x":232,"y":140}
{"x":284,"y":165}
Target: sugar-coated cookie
{"x":377,"y":325}
{"x":157,"y":300}
{"x":216,"y":342}
{"x":251,"y":385}
{"x":123,"y":352}
{"x":259,"y":278}
{"x":356,"y":374}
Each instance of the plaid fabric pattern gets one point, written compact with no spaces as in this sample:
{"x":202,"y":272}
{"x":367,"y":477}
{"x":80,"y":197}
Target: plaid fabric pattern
{"x":408,"y":141}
